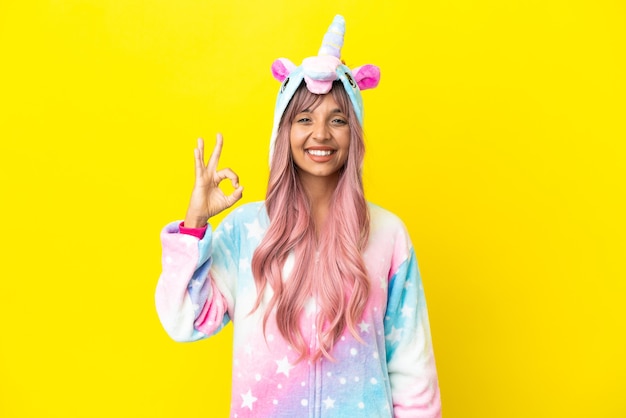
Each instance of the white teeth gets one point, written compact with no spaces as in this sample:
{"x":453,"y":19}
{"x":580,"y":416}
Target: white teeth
{"x":320,"y":153}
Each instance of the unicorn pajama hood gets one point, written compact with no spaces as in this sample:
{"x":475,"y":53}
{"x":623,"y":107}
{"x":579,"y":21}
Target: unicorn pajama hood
{"x":384,"y":367}
{"x":319,"y":72}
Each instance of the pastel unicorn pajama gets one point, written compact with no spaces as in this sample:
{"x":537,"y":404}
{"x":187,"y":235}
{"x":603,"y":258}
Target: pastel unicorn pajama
{"x":207,"y":282}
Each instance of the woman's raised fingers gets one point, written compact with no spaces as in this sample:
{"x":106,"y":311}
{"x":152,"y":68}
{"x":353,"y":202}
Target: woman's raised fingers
{"x":198,"y":165}
{"x":217,"y":151}
{"x":201,"y":149}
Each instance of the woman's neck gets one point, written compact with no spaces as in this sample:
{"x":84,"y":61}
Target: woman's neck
{"x":320,"y":191}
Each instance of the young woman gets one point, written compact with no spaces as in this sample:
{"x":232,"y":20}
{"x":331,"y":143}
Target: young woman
{"x":322,"y":287}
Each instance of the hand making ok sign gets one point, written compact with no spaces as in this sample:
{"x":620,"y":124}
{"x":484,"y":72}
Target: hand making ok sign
{"x":207,"y":199}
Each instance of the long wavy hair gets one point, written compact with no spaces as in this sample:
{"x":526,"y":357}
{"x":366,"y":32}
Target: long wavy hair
{"x":328,"y":263}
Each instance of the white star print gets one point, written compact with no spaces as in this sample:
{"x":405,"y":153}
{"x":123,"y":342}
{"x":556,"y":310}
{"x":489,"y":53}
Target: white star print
{"x":383,"y":283}
{"x":329,"y":403}
{"x":196,"y":283}
{"x":365,"y":327}
{"x":254,"y":230}
{"x":284,"y":366}
{"x":248,"y":399}
{"x":394,"y":335}
{"x":227,"y":226}
{"x":244,"y":264}
{"x":406,"y":312}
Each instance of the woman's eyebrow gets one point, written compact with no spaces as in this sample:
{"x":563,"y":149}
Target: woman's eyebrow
{"x":307,"y":110}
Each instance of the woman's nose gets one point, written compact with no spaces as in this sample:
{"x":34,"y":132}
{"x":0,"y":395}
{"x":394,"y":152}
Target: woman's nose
{"x":321,"y":131}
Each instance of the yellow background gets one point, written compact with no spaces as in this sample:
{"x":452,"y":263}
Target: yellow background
{"x":497,"y":133}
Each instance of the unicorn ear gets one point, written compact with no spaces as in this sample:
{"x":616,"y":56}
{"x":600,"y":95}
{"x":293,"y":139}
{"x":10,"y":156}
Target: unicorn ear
{"x":366,"y":76}
{"x":281,"y":68}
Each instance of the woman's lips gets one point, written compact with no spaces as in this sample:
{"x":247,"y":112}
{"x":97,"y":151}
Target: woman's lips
{"x":320,"y":155}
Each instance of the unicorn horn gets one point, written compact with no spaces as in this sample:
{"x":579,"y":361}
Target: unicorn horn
{"x":333,"y":39}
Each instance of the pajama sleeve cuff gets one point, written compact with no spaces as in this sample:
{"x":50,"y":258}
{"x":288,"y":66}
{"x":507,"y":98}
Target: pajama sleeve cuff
{"x":196,"y":232}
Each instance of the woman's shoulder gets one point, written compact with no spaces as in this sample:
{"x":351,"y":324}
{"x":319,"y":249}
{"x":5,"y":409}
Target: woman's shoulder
{"x":382,"y":216}
{"x":388,"y":233}
{"x":386,"y":226}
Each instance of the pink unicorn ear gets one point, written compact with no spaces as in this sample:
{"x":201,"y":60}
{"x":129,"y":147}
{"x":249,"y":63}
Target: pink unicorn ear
{"x":281,"y":68}
{"x":366,"y":76}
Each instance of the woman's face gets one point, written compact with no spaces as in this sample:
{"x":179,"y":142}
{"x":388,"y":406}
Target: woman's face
{"x":320,"y":139}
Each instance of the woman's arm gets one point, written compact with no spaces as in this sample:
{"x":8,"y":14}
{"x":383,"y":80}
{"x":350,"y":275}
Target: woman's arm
{"x":189,"y":304}
{"x":410,"y":356}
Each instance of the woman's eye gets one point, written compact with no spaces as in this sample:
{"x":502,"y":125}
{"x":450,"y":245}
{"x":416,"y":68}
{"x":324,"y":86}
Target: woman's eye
{"x":303,"y":120}
{"x":340,"y":121}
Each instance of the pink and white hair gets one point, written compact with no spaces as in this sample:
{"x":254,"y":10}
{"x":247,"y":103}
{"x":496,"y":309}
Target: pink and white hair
{"x":337,"y":276}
